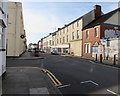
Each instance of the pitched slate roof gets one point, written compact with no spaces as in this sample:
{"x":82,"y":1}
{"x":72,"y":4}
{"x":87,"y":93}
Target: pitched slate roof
{"x":89,"y":16}
{"x":101,"y":19}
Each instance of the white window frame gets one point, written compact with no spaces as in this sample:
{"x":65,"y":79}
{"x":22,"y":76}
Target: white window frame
{"x":87,"y":34}
{"x":87,"y":48}
{"x":96,"y":32}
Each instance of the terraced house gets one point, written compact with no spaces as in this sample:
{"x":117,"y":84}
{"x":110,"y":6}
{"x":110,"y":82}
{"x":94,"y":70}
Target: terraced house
{"x":102,"y":36}
{"x":68,"y":39}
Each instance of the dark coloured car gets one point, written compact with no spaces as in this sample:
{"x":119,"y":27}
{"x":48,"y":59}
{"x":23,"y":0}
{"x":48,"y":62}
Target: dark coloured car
{"x":29,"y":50}
{"x":54,"y":52}
{"x":42,"y":51}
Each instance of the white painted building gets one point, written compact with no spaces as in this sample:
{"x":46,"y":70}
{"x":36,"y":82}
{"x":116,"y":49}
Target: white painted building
{"x":16,"y":35}
{"x":3,"y":25}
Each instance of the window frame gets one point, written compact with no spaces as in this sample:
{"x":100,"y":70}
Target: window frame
{"x":78,"y":34}
{"x":87,"y":34}
{"x":73,"y":36}
{"x":96,"y":32}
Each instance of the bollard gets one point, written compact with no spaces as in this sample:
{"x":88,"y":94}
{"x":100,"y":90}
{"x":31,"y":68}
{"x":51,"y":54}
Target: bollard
{"x":100,"y":58}
{"x":114,"y":63}
{"x":96,"y":58}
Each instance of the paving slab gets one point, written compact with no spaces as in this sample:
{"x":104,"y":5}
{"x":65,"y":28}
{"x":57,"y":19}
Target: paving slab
{"x":27,"y":81}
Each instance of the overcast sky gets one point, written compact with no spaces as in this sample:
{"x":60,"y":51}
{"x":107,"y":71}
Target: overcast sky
{"x":42,"y":17}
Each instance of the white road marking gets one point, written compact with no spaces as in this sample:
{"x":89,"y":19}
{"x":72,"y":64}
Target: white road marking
{"x":64,"y":86}
{"x":112,"y":92}
{"x":90,"y":81}
{"x":85,"y":81}
{"x":92,"y":61}
{"x":94,"y":83}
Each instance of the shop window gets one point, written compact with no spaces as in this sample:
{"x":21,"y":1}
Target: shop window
{"x":59,"y":49}
{"x":95,"y":49}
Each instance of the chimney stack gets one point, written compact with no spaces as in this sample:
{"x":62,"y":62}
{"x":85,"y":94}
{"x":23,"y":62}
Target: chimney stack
{"x":98,"y":12}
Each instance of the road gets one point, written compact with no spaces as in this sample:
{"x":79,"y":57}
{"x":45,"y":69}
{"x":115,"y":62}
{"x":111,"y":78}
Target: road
{"x":78,"y":75}
{"x":81,"y":76}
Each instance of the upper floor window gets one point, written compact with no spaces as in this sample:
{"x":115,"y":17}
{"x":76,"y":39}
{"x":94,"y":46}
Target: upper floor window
{"x":60,"y":32}
{"x":96,"y":32}
{"x":67,"y":38}
{"x":47,"y":43}
{"x":67,"y":29}
{"x":63,"y":39}
{"x":77,"y":23}
{"x":52,"y":42}
{"x":87,"y":34}
{"x":60,"y":40}
{"x":64,"y":30}
{"x":72,"y":35}
{"x":73,"y":26}
{"x":77,"y":34}
{"x":57,"y":41}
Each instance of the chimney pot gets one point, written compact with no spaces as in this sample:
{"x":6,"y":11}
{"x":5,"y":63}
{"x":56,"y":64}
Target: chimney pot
{"x":98,"y":12}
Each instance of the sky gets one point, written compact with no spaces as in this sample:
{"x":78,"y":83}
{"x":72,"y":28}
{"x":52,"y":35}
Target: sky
{"x":42,"y":17}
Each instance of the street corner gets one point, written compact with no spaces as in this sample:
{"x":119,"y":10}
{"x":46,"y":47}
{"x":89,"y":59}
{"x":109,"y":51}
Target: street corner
{"x":36,"y":80}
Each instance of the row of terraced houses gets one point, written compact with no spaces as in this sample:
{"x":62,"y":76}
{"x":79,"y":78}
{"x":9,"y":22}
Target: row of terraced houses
{"x":91,"y":34}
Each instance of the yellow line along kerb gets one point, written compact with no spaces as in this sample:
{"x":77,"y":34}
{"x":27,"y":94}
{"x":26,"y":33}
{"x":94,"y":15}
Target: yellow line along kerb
{"x":51,"y":76}
{"x":59,"y":83}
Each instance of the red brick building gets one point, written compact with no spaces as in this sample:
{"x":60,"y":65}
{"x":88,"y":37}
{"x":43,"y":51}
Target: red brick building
{"x":94,"y":31}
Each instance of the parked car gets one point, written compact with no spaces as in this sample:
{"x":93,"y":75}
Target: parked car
{"x":42,"y":51}
{"x":54,"y":52}
{"x":36,"y":53}
{"x":29,"y":50}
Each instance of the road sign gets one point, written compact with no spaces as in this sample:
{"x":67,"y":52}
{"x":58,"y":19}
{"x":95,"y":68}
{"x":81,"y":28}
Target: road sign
{"x":104,"y":40}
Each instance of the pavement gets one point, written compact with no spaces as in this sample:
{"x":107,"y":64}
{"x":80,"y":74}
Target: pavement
{"x":27,"y":80}
{"x":106,"y":62}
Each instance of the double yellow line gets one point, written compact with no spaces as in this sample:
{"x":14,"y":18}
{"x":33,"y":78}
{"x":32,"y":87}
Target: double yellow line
{"x":51,"y":76}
